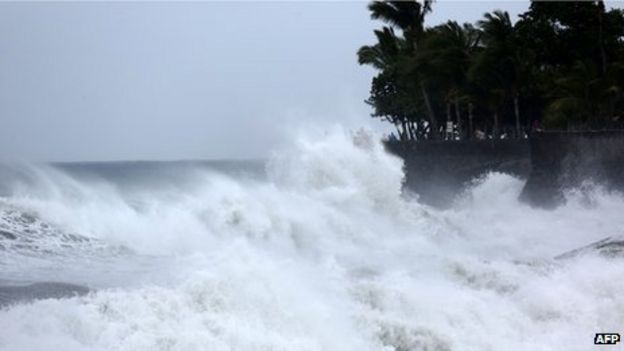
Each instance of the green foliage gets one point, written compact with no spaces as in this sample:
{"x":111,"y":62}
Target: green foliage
{"x":560,"y":63}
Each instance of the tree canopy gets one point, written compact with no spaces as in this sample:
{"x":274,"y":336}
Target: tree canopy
{"x":560,"y":65}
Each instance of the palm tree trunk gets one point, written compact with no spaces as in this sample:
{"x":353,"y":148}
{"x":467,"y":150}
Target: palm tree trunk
{"x":603,"y":55}
{"x":495,"y":126}
{"x":470,"y":126}
{"x":396,"y":125}
{"x":403,"y":131}
{"x":412,"y":130}
{"x":432,"y":118}
{"x":458,"y":115}
{"x":448,"y":135}
{"x":517,"y":113}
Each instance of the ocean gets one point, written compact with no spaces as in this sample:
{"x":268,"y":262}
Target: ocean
{"x":315,"y":248}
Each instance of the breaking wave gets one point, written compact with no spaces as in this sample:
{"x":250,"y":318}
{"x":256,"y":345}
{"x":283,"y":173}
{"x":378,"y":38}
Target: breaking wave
{"x":319,"y":252}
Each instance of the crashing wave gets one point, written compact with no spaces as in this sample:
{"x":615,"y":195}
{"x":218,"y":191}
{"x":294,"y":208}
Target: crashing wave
{"x":25,"y":233}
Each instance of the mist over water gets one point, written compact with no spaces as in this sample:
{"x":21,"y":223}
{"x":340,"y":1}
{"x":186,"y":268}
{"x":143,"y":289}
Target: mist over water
{"x":315,"y":250}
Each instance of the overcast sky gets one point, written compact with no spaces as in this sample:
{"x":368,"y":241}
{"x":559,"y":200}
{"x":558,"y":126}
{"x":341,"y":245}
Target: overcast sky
{"x":111,"y":81}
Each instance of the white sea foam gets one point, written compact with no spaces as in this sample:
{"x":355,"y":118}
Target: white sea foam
{"x":324,"y":255}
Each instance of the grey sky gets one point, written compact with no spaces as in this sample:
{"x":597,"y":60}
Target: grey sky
{"x":106,"y":81}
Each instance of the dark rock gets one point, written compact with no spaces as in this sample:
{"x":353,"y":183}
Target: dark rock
{"x":609,"y":247}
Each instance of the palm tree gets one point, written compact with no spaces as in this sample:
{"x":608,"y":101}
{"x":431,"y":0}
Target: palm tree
{"x":446,"y":57}
{"x":576,"y":97}
{"x":503,"y":61}
{"x":614,"y":93}
{"x":385,"y":56}
{"x":385,"y":53}
{"x":409,"y":17}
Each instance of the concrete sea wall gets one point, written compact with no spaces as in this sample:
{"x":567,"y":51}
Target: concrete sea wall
{"x":561,"y":160}
{"x":550,"y":161}
{"x":439,"y":170}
